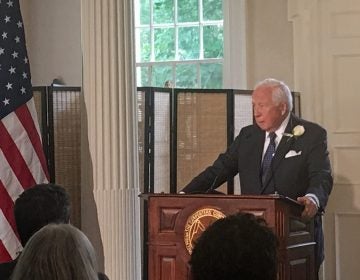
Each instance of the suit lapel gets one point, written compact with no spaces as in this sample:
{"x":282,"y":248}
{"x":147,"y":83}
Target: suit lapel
{"x":255,"y":147}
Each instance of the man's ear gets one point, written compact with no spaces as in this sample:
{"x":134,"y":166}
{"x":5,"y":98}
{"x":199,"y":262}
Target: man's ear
{"x":283,"y":108}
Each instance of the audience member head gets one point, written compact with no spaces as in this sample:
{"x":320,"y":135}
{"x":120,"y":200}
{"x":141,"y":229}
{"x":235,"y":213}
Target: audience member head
{"x":39,"y":206}
{"x":58,"y":252}
{"x":237,"y":247}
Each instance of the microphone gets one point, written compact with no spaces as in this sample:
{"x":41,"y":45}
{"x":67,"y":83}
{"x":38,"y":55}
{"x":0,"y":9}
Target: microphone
{"x":212,"y":188}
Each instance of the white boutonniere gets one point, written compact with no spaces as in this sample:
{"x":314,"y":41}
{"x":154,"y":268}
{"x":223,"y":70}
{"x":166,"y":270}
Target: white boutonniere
{"x":296,"y":132}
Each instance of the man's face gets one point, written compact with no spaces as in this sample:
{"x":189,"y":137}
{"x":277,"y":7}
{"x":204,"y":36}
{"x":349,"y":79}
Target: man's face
{"x":268,"y":115}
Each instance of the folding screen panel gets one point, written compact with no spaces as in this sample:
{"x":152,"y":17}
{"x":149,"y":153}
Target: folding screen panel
{"x":59,"y":115}
{"x":201,"y":132}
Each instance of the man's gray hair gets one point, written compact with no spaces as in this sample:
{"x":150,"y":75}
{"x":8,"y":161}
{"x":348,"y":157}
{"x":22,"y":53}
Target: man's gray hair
{"x":280,"y":91}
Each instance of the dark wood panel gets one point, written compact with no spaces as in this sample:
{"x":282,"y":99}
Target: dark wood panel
{"x":176,"y":221}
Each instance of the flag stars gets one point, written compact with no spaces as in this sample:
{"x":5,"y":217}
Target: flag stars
{"x":6,"y":101}
{"x":26,"y":60}
{"x":7,"y":19}
{"x":23,"y":90}
{"x":17,"y":39}
{"x":4,"y":35}
{"x":12,"y":70}
{"x":15,"y":55}
{"x":2,"y":51}
{"x":19,"y":24}
{"x":10,"y":3}
{"x":25,"y":75}
{"x":9,"y":86}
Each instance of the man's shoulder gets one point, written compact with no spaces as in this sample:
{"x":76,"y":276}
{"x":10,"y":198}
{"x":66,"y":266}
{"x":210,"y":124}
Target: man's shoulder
{"x":249,"y":130}
{"x":308,"y":125}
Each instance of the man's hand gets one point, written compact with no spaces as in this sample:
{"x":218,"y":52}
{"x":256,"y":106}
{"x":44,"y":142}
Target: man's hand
{"x":310,"y":209}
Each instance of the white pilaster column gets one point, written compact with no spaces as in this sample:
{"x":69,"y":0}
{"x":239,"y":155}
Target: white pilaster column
{"x":110,"y":113}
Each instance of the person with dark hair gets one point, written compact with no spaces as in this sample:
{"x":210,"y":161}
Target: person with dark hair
{"x":239,"y":246}
{"x":279,"y":154}
{"x":34,"y":208}
{"x":57,"y":251}
{"x":39,"y":206}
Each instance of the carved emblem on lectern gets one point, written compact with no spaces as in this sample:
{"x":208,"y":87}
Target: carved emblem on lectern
{"x":197,"y":223}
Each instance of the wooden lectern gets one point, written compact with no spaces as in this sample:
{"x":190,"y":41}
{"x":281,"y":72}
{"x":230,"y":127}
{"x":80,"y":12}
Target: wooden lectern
{"x":176,"y":221}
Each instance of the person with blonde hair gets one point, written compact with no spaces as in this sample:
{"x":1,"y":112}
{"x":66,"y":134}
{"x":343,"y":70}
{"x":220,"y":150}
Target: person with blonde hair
{"x":57,"y":252}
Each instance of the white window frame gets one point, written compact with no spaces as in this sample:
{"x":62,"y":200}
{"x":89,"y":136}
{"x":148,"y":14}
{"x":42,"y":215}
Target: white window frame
{"x":235,"y":52}
{"x":176,"y":25}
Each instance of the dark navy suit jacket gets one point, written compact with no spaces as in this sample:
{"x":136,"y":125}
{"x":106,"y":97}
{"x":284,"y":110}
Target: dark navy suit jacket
{"x":307,"y":172}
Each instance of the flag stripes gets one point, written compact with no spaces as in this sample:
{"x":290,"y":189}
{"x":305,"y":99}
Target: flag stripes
{"x":8,"y":238}
{"x":22,"y":165}
{"x":22,"y":161}
{"x":28,"y":118}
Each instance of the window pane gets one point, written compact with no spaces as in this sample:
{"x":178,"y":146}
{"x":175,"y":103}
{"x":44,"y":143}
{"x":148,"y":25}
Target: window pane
{"x":188,"y":43}
{"x":142,"y":76}
{"x":213,"y":41}
{"x":211,"y":75}
{"x":188,"y":10}
{"x":212,"y":10}
{"x":164,"y":44}
{"x":144,"y":12}
{"x":163,"y":11}
{"x":145,"y":46}
{"x":160,"y":75}
{"x":186,"y":76}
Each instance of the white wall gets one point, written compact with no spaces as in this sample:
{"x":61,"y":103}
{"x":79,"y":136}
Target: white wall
{"x":53,"y":40}
{"x":327,"y":63}
{"x":258,"y":42}
{"x":269,"y":42}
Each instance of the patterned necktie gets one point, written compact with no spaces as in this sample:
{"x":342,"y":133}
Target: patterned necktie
{"x":269,"y":154}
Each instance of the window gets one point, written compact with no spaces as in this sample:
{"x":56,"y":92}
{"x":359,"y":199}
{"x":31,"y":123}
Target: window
{"x":179,"y":43}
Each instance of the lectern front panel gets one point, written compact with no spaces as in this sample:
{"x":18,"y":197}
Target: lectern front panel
{"x":176,"y":221}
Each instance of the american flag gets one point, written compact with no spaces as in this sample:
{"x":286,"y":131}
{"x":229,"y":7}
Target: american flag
{"x":22,"y":161}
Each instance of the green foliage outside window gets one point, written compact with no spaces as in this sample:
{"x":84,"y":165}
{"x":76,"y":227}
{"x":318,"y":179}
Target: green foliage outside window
{"x":189,"y":43}
{"x":163,"y":11}
{"x":211,"y":75}
{"x":188,"y":11}
{"x":158,"y":38}
{"x":161,"y":74}
{"x":145,"y":44}
{"x":213,"y":42}
{"x":143,"y":73}
{"x":164,"y":44}
{"x":186,"y":76}
{"x":212,"y":10}
{"x":144,"y":12}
